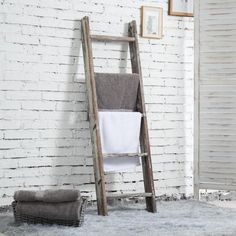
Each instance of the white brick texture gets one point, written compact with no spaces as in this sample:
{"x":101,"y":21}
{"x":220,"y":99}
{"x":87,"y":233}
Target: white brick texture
{"x":44,"y":132}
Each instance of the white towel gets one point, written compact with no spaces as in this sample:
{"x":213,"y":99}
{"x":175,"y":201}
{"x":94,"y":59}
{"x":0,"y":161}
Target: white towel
{"x":120,"y":134}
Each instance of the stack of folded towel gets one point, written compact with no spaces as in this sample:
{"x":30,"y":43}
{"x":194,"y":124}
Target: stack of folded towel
{"x":49,"y":204}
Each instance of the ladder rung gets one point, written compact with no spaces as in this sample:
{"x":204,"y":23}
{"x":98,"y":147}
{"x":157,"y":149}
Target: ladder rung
{"x":115,"y":110}
{"x":112,"y":38}
{"x":125,"y":155}
{"x":129,"y":195}
{"x":119,"y":110}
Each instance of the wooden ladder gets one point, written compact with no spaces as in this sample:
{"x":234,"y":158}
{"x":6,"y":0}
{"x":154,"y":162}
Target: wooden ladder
{"x":98,"y":156}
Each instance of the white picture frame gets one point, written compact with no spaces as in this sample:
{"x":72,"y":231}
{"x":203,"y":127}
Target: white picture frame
{"x":152,"y":22}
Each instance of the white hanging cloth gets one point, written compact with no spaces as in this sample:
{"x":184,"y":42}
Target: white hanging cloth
{"x":120,"y":134}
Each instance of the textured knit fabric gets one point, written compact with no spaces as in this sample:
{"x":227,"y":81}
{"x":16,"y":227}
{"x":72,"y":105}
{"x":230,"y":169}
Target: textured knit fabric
{"x":62,"y":211}
{"x":61,"y":195}
{"x":117,"y":91}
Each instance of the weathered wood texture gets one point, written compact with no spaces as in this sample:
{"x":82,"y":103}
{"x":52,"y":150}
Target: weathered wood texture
{"x":93,"y":118}
{"x":130,"y":195}
{"x":125,"y":154}
{"x":112,"y":38}
{"x":94,"y":121}
{"x":144,"y":137}
{"x":216,"y":104}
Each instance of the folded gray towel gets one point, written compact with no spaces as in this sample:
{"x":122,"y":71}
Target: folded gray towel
{"x":54,"y":211}
{"x":117,"y":91}
{"x":61,"y":195}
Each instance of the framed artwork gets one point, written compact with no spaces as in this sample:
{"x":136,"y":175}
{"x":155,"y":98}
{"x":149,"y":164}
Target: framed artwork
{"x":152,"y":22}
{"x":181,"y":7}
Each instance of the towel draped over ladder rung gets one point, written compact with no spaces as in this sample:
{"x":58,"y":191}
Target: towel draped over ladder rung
{"x":117,"y":91}
{"x":118,"y":110}
{"x":129,"y":195}
{"x":112,"y":38}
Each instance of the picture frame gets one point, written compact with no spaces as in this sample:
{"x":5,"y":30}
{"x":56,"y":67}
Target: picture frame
{"x":152,"y":22}
{"x":181,"y":7}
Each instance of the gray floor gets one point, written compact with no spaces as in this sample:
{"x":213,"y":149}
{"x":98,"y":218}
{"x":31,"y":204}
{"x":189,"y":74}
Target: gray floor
{"x":184,"y":217}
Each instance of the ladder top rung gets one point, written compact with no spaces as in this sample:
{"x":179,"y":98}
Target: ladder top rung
{"x":127,"y":195}
{"x":125,"y":155}
{"x":112,"y":38}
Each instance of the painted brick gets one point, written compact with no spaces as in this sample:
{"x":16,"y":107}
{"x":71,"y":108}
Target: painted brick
{"x":44,"y":132}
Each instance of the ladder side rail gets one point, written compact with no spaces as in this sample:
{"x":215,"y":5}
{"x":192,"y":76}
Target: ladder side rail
{"x":93,"y":118}
{"x":144,"y":136}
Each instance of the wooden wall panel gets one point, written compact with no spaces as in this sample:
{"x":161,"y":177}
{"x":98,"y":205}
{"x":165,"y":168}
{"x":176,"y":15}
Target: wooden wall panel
{"x":215,"y":76}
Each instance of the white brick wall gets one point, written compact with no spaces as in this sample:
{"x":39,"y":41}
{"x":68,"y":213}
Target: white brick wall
{"x":44,"y":136}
